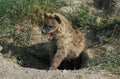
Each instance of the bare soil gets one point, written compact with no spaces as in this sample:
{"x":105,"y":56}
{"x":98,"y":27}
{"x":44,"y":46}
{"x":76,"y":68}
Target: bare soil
{"x":10,"y":70}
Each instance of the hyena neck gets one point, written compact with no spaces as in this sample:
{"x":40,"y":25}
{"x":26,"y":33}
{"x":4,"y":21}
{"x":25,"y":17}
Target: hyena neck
{"x":64,"y":32}
{"x":66,"y":29}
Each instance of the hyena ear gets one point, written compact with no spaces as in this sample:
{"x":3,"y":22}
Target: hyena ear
{"x":57,"y":18}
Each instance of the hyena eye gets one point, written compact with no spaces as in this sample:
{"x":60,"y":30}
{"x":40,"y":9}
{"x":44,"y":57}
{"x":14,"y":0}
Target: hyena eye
{"x":51,"y":26}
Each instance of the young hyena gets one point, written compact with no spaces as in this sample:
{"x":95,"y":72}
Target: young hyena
{"x":70,"y":42}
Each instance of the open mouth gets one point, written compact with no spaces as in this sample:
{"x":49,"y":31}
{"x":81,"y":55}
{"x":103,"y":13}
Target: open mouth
{"x":50,"y":36}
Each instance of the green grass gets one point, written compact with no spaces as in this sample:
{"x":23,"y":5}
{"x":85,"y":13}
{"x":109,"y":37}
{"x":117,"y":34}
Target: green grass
{"x":15,"y":12}
{"x":82,"y":18}
{"x":109,"y":62}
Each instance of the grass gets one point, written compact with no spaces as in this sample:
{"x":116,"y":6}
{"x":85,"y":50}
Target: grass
{"x":82,"y":17}
{"x":109,"y":62}
{"x":22,"y":9}
{"x":15,"y":12}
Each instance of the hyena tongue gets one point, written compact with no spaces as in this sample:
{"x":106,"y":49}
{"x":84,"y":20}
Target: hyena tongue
{"x":50,"y":36}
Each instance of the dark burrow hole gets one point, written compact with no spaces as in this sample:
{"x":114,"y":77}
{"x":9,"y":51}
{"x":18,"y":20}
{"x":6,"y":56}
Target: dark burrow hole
{"x":73,"y":64}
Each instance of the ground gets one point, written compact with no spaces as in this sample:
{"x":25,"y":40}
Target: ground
{"x":10,"y":70}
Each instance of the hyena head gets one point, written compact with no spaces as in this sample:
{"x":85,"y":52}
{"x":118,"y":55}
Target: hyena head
{"x":51,"y":24}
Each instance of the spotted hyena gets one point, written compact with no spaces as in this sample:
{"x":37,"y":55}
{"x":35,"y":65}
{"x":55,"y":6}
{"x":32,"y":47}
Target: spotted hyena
{"x":70,"y":42}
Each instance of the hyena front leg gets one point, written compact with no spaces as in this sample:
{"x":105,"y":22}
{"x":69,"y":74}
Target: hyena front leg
{"x":58,"y":58}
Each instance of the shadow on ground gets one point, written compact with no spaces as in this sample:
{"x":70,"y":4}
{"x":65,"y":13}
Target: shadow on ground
{"x":37,"y":56}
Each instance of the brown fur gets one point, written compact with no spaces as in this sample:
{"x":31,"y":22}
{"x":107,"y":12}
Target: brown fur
{"x":70,"y":42}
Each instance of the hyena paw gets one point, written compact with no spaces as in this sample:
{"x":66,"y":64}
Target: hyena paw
{"x":52,"y":68}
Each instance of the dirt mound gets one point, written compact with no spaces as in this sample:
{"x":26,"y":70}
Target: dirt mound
{"x":9,"y":70}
